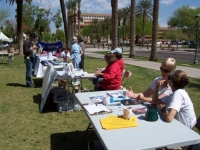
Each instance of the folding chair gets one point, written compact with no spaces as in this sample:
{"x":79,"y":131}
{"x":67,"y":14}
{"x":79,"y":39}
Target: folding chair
{"x":125,"y":78}
{"x":10,"y":58}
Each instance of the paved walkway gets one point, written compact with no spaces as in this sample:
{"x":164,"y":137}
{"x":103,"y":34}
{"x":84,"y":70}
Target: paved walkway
{"x":191,"y":72}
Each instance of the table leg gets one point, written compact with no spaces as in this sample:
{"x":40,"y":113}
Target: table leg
{"x":83,"y":138}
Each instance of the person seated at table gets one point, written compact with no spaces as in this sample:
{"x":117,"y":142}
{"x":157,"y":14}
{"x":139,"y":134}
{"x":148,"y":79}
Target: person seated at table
{"x":43,"y":52}
{"x":118,"y":53}
{"x":167,"y":67}
{"x":178,"y":105}
{"x":67,"y":55}
{"x":111,"y":76}
{"x":62,"y":55}
{"x":58,"y":53}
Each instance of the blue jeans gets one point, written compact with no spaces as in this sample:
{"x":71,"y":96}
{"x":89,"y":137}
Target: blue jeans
{"x":75,"y":63}
{"x":28,"y":73}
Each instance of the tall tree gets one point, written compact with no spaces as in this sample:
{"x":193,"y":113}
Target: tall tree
{"x":114,"y":5}
{"x":4,"y":14}
{"x":57,"y":19}
{"x":68,"y":5}
{"x":153,"y":56}
{"x":125,"y":13}
{"x":74,"y":5}
{"x":144,"y":8}
{"x":183,"y":18}
{"x":132,"y":29}
{"x":79,"y":15}
{"x":62,"y":5}
{"x":19,"y":22}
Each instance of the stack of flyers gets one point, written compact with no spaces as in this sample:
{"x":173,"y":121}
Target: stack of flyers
{"x":96,"y":98}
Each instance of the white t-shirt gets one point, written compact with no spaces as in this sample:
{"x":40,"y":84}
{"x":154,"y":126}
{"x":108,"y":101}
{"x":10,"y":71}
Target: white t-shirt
{"x":62,"y":55}
{"x":181,"y":102}
{"x":167,"y":90}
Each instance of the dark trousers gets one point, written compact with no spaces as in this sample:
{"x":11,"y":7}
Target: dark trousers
{"x":28,"y":72}
{"x":81,"y":64}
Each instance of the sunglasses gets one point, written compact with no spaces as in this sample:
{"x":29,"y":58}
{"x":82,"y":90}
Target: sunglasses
{"x":164,"y":70}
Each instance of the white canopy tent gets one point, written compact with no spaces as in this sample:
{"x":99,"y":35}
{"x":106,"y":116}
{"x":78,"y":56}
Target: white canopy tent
{"x":4,"y":38}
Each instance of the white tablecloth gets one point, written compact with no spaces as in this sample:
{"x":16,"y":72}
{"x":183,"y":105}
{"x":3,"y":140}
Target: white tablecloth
{"x":39,"y":69}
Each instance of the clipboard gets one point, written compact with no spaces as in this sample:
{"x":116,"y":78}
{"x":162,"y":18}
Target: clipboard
{"x":96,"y":109}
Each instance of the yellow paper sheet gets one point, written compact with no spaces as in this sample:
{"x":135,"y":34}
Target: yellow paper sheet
{"x":115,"y":122}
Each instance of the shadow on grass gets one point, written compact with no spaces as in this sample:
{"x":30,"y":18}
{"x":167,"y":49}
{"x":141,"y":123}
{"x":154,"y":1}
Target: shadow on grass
{"x":16,"y":85}
{"x":194,"y":85}
{"x":38,"y":82}
{"x":71,"y":140}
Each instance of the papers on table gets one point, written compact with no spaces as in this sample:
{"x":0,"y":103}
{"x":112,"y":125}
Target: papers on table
{"x":116,"y":94}
{"x":96,"y":98}
{"x":95,"y":109}
{"x":116,"y":122}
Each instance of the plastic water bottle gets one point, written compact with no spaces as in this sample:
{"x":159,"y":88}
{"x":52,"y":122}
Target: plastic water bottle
{"x":111,"y":100}
{"x":60,"y":107}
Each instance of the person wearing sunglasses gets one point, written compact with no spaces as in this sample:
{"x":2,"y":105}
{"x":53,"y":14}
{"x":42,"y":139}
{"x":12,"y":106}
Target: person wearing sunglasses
{"x":167,"y":67}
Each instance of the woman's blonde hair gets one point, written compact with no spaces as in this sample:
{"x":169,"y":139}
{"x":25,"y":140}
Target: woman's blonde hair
{"x":170,"y":63}
{"x":180,"y":79}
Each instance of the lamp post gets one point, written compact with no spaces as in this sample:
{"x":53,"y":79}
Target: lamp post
{"x":197,"y":16}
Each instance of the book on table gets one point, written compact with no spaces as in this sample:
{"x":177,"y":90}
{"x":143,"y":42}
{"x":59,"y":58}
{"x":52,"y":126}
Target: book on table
{"x":96,"y":109}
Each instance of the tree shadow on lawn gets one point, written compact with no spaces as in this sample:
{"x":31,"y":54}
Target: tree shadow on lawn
{"x":72,"y":140}
{"x":16,"y":85}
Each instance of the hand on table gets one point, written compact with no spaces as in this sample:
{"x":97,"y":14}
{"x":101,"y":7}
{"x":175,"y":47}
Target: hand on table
{"x":131,"y":94}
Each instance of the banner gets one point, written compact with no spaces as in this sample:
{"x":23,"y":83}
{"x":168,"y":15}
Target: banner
{"x":51,"y":46}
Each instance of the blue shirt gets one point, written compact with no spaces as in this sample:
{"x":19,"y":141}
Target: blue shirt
{"x":75,"y":50}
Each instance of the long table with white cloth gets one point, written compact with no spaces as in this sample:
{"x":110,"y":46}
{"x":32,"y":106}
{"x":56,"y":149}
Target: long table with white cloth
{"x":147,"y":136}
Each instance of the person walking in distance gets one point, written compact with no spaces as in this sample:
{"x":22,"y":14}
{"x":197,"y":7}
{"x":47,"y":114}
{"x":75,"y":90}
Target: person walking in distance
{"x":28,"y":57}
{"x":82,"y":45}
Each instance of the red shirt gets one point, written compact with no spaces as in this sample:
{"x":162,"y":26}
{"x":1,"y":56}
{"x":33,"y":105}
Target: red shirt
{"x":112,"y":77}
{"x":121,"y":65}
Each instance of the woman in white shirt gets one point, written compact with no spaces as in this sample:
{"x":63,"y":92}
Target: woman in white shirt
{"x":179,"y":104}
{"x":167,"y":67}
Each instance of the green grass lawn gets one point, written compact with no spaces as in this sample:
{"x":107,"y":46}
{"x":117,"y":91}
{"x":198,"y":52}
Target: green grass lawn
{"x":23,"y":127}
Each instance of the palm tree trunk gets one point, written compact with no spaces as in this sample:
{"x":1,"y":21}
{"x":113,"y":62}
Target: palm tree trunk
{"x":153,"y":56}
{"x":79,"y":19}
{"x":132,"y":29}
{"x":74,"y":23}
{"x":124,"y":24}
{"x":114,"y":4}
{"x":143,"y":29}
{"x":62,"y":5}
{"x":19,"y":26}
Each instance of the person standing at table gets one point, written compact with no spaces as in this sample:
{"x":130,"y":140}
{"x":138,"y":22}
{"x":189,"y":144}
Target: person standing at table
{"x":75,"y":56}
{"x":28,"y":58}
{"x":82,"y":45}
{"x":167,"y":67}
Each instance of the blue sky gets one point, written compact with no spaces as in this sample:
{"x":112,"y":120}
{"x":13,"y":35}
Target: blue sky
{"x":167,"y":7}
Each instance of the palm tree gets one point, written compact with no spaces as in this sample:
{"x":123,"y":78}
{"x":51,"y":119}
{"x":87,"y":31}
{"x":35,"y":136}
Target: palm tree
{"x":124,"y":12}
{"x":68,"y":5}
{"x":132,"y":29}
{"x":153,"y":56}
{"x":19,"y":22}
{"x":79,"y":15}
{"x":62,"y":5}
{"x":114,"y":5}
{"x":74,"y":5}
{"x":144,"y":8}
